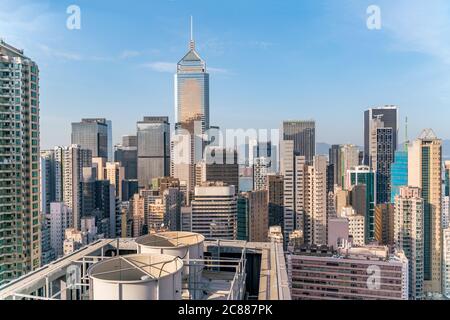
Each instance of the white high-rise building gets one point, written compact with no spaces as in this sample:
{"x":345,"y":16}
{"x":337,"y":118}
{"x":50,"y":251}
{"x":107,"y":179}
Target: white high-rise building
{"x":69,"y":163}
{"x":214,"y":211}
{"x":349,"y":156}
{"x":408,"y":236}
{"x":315,"y":225}
{"x":61,"y":218}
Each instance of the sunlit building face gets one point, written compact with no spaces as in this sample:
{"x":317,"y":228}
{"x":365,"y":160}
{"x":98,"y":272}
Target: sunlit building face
{"x":192,"y":92}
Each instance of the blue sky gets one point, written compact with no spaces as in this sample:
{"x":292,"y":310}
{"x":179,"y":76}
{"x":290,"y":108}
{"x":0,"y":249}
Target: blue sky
{"x":270,"y":60}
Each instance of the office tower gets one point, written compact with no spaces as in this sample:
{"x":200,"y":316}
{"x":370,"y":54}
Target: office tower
{"x":349,"y":160}
{"x":191,"y":114}
{"x":253,"y":216}
{"x":252,"y":151}
{"x":92,"y":134}
{"x":315,"y":222}
{"x":358,"y":198}
{"x":338,"y":232}
{"x":399,"y":173}
{"x":425,"y":172}
{"x":334,"y":158}
{"x":345,"y":274}
{"x":88,"y":204}
{"x":242,"y":219}
{"x":110,"y":141}
{"x":153,"y":134}
{"x":214,"y":211}
{"x":388,"y":115}
{"x":445,"y":212}
{"x":381,"y":156}
{"x":276,"y":200}
{"x":362,"y":175}
{"x":19,"y":163}
{"x":261,"y":169}
{"x":446,"y":263}
{"x":105,"y":208}
{"x":303,"y":134}
{"x":408,"y":236}
{"x":129,"y":189}
{"x":69,"y":164}
{"x":220,"y":164}
{"x":115,"y":173}
{"x":384,"y":224}
{"x":47,"y":182}
{"x":293,"y":169}
{"x":356,"y":226}
{"x":60,"y":219}
{"x":126,"y":155}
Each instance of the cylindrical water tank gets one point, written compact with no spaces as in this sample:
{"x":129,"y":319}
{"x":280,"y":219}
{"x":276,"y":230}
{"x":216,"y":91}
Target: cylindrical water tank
{"x":137,"y":277}
{"x":186,"y":245}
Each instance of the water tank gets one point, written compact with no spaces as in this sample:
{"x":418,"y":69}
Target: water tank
{"x":137,"y":277}
{"x":186,"y":245}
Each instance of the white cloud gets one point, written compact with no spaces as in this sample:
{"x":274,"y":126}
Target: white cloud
{"x":127,"y":54}
{"x":162,"y":66}
{"x":419,"y":26}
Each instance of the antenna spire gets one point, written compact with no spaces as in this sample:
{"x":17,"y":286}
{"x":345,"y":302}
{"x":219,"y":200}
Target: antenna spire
{"x":192,"y":42}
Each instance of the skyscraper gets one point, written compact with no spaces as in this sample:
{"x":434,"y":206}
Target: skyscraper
{"x":381,"y":157}
{"x":425,"y":172}
{"x":349,"y":159}
{"x":94,"y":135}
{"x":220,"y":164}
{"x":315,"y":220}
{"x":293,"y":169}
{"x":261,"y":168}
{"x":408,"y":236}
{"x":191,"y":113}
{"x":399,"y":173}
{"x":126,"y":155}
{"x":19,"y":164}
{"x":69,"y":164}
{"x":275,"y":185}
{"x":253,"y":215}
{"x":388,"y":115}
{"x":153,"y":135}
{"x":214,"y":211}
{"x":303,"y":133}
{"x":363,"y":175}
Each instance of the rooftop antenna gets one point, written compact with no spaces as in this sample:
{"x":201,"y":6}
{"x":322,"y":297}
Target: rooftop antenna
{"x":192,"y":42}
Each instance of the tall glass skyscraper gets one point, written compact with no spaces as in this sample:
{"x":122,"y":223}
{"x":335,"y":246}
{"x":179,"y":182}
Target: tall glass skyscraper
{"x":191,"y":91}
{"x":389,"y":116}
{"x":94,"y":135}
{"x":303,"y":133}
{"x":399,"y":173}
{"x":191,"y":114}
{"x":153,"y":137}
